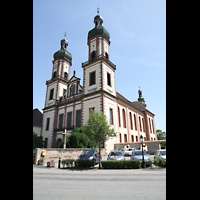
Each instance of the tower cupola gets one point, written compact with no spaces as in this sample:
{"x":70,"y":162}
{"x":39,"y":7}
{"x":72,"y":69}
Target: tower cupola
{"x":98,"y":20}
{"x":64,"y":44}
{"x":141,"y":99}
{"x":63,"y":53}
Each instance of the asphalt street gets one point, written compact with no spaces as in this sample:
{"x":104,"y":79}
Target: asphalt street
{"x":95,"y":184}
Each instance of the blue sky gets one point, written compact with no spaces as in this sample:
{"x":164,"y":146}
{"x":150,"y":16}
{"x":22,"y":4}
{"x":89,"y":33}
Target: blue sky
{"x":138,"y":45}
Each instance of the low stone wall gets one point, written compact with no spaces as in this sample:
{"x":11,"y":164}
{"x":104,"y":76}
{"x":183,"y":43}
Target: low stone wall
{"x":152,"y":146}
{"x":56,"y":153}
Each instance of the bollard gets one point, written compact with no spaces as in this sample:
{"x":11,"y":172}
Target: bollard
{"x":59,"y":162}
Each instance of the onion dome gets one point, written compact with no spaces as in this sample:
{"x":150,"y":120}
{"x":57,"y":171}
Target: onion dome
{"x":98,"y":29}
{"x":63,"y":53}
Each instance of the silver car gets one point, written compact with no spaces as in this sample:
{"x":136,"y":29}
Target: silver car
{"x":116,"y":155}
{"x":129,"y":152}
{"x":137,"y":155}
{"x":160,"y":153}
{"x":89,"y":155}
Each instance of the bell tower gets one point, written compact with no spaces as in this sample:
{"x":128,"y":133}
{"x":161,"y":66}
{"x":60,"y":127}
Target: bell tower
{"x":57,"y":85}
{"x":98,"y":40}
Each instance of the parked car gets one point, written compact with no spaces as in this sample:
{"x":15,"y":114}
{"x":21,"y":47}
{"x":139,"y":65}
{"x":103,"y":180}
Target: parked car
{"x":116,"y":155}
{"x":129,"y":152}
{"x":160,"y":153}
{"x":90,"y":155}
{"x":137,"y":155}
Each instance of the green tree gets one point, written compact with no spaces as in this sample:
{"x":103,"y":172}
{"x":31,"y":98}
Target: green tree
{"x":161,"y":135}
{"x":79,"y":139}
{"x":37,"y":141}
{"x":98,"y":128}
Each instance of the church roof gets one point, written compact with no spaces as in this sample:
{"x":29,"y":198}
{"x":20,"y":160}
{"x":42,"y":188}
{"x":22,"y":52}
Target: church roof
{"x":63,"y":53}
{"x":135,"y":104}
{"x":98,"y":30}
{"x":37,"y":118}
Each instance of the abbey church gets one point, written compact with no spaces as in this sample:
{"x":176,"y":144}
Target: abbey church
{"x":68,"y":103}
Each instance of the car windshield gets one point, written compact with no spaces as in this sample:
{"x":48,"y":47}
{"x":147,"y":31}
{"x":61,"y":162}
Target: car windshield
{"x":162,"y":153}
{"x":139,"y":153}
{"x":116,"y":153}
{"x":87,"y":153}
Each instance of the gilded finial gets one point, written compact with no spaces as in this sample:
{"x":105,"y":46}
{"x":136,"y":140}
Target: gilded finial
{"x":98,"y":10}
{"x":65,"y":35}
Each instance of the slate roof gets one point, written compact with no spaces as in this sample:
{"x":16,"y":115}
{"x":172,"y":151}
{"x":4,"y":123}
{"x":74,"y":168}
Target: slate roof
{"x":37,"y":118}
{"x":135,"y":104}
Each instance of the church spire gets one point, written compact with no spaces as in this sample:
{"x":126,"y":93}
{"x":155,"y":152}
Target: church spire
{"x":141,"y":99}
{"x":98,"y":19}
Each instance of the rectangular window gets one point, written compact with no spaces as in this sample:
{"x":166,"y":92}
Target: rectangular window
{"x":78,"y":118}
{"x":61,"y":121}
{"x":64,"y":91}
{"x":108,"y":79}
{"x":111,"y":116}
{"x":45,"y":142}
{"x":92,"y":78}
{"x":51,"y":94}
{"x":91,"y":109}
{"x":47,"y":124}
{"x":69,"y":120}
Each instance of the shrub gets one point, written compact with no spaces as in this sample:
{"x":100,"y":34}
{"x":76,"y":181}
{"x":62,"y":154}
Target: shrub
{"x":162,"y":163}
{"x":67,"y":162}
{"x":155,"y":161}
{"x":149,"y":162}
{"x":85,"y":163}
{"x":121,"y":164}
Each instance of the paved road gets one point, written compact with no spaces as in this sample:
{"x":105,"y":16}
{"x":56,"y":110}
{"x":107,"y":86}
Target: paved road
{"x":95,"y":184}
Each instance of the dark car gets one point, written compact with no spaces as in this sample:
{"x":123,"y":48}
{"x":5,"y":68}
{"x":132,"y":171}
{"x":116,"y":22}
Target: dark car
{"x":89,"y":155}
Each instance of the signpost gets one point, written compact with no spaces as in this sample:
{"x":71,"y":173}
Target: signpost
{"x":65,"y":133}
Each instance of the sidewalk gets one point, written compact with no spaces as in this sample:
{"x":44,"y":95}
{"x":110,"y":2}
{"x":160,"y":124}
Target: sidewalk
{"x":43,"y":169}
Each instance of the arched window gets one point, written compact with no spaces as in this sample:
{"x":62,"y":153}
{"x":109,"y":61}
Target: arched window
{"x":106,"y":54}
{"x":150,"y":125}
{"x":132,"y":137}
{"x":125,"y":137}
{"x":131,"y":120}
{"x":119,"y":117}
{"x":136,"y":138}
{"x":58,"y":142}
{"x":93,"y":55}
{"x":65,"y":75}
{"x":124,"y":118}
{"x":143,"y":125}
{"x":120,"y":138}
{"x":72,"y":90}
{"x":140,"y":124}
{"x":135,"y":122}
{"x":54,"y":74}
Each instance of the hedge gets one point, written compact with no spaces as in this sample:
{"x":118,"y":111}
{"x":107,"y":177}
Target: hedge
{"x":84,"y":163}
{"x":121,"y":164}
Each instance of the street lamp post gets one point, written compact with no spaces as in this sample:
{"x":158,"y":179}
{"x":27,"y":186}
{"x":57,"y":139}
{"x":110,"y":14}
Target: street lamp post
{"x":141,"y":140}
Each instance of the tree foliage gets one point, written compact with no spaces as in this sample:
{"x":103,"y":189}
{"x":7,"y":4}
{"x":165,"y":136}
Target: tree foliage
{"x":37,"y":141}
{"x":98,"y":128}
{"x":79,"y":139}
{"x":161,"y":135}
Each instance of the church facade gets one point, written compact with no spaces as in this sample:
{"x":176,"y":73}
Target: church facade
{"x":68,"y":103}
